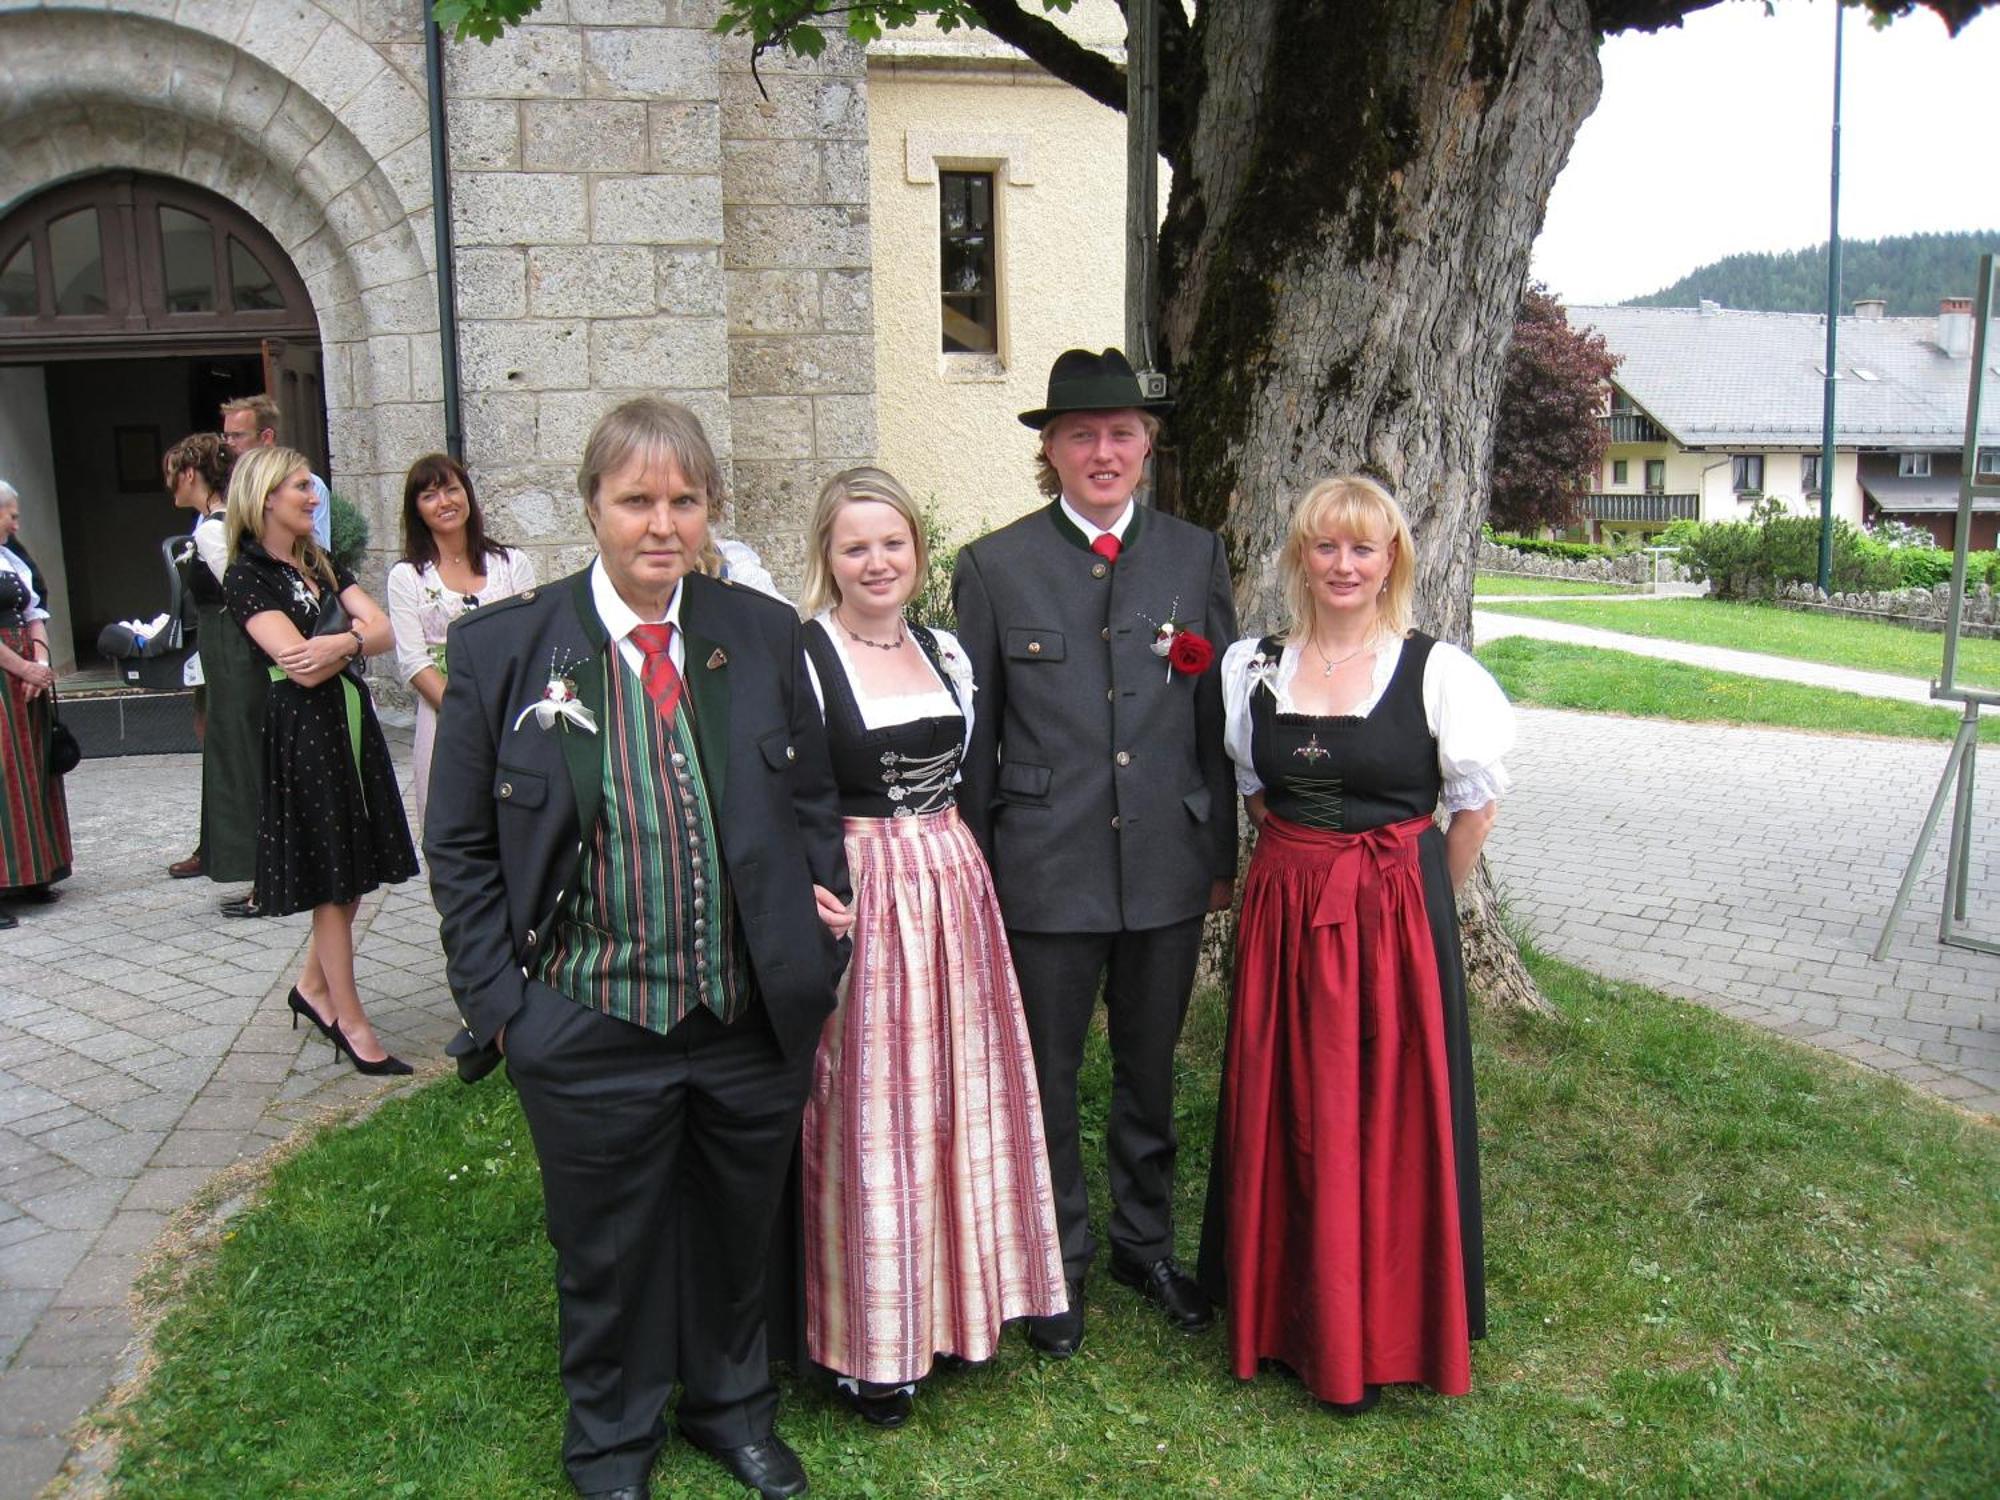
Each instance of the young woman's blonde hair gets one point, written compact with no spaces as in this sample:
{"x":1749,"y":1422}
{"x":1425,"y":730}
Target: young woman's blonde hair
{"x":1046,"y":479}
{"x":256,"y":474}
{"x":654,"y":428}
{"x":848,"y":487}
{"x":1360,"y":507}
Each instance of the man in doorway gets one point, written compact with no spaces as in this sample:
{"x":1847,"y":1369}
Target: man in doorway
{"x":1097,"y":781}
{"x":252,"y":422}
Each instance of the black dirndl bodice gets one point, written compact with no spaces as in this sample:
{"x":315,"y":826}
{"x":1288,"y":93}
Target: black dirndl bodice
{"x":899,"y":770}
{"x":1349,"y":772}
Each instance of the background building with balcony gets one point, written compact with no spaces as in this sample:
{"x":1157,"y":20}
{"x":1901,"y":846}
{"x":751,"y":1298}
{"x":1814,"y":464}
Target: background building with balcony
{"x":1712,"y":410}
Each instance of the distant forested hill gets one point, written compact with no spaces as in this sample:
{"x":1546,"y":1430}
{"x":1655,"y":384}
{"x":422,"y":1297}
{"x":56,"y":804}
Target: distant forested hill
{"x":1910,"y":271}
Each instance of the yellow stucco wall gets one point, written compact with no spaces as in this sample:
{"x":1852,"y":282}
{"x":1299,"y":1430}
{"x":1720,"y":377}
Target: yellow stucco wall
{"x":947,"y":424}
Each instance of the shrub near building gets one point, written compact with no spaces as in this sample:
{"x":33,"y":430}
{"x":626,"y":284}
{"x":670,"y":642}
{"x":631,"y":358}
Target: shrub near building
{"x":1751,"y":559}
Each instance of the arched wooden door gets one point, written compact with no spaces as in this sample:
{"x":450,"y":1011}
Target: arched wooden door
{"x":130,"y":306}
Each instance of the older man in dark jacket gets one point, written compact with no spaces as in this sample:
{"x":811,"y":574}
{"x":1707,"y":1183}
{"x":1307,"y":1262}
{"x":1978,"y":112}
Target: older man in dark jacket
{"x":635,"y":846}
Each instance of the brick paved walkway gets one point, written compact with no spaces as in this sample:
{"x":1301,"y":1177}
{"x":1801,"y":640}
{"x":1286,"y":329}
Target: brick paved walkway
{"x":1751,"y":870}
{"x":145,"y":1044}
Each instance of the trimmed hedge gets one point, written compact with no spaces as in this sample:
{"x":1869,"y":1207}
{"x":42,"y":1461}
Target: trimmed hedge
{"x":1752,"y":558}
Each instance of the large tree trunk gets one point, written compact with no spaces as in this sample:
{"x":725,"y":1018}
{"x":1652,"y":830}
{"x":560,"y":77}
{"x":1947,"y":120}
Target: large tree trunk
{"x":1343,"y":257}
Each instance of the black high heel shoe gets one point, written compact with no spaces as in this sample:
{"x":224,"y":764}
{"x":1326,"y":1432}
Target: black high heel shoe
{"x":303,"y":1007}
{"x":387,"y":1065}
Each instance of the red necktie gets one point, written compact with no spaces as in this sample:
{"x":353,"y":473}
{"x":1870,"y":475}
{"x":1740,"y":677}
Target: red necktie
{"x":663,"y":683}
{"x":1106,"y":547}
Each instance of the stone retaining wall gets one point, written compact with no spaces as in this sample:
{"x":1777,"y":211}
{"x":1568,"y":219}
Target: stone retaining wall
{"x":1918,"y":609}
{"x":1626,"y":567}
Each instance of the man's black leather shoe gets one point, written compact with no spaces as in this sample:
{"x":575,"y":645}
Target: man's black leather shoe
{"x":639,"y":1491}
{"x":1060,"y":1335}
{"x":766,"y":1466}
{"x":1185,"y":1304}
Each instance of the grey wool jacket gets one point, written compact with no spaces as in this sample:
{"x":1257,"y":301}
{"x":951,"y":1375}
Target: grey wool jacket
{"x":1096,"y":779}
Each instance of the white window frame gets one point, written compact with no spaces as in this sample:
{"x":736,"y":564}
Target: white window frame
{"x":1913,"y":466}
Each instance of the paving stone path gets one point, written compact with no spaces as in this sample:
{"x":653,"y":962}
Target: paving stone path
{"x":1751,"y":870}
{"x":145,"y":1044}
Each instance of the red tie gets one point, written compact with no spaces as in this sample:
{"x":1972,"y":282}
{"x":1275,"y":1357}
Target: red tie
{"x":663,"y":683}
{"x":1106,"y":547}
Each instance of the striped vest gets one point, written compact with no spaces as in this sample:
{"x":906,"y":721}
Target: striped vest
{"x":649,"y":934}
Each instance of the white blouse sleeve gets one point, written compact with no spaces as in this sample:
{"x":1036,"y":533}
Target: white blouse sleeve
{"x":1237,"y":685}
{"x":211,"y":545}
{"x":1474,"y":726}
{"x":405,"y":593}
{"x":520,"y":571}
{"x":958,"y":677}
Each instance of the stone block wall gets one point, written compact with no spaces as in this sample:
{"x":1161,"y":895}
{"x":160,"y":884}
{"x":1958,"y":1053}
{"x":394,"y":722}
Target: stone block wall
{"x":586,"y":186}
{"x":800,"y":290}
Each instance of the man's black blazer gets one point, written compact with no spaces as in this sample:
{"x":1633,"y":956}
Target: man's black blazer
{"x":510,"y":807}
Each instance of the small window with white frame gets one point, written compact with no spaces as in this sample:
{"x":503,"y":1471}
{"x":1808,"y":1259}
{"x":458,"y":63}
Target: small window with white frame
{"x":1913,"y":466}
{"x":1986,"y":464}
{"x":1656,"y":476}
{"x":1809,"y":473}
{"x":1746,"y":473}
{"x":1620,"y":470}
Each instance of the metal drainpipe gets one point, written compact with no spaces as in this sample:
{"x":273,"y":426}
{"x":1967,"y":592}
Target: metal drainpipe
{"x":454,"y":430}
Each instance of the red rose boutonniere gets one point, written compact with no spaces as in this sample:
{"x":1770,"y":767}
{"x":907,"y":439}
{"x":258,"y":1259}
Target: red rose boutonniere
{"x":1189,"y":654}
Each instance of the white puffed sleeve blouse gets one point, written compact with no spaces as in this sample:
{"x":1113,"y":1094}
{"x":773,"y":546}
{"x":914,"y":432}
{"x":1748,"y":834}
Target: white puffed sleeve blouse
{"x":1464,"y":709}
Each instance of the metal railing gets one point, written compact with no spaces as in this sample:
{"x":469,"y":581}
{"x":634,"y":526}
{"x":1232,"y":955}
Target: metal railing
{"x":1642,"y":507}
{"x":1632,"y":427}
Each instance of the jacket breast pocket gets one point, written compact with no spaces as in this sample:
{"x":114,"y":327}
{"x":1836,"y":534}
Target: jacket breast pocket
{"x":1021,"y":785}
{"x":1026,"y":643}
{"x":513,"y":788}
{"x":1198,"y":803}
{"x":779,"y":753}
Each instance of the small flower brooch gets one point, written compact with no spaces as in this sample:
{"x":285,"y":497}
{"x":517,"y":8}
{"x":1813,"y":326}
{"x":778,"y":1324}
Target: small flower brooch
{"x":559,"y":701}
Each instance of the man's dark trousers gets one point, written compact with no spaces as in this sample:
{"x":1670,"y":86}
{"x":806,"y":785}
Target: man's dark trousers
{"x":630,"y":1126}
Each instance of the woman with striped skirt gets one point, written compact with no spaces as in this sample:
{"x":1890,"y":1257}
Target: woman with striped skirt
{"x":34,"y":818}
{"x":929,"y":1219}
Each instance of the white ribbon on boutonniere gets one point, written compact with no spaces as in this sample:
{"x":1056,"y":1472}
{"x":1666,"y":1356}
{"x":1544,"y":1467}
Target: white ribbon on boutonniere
{"x":559,"y":701}
{"x":958,"y":670}
{"x":1262,"y":671}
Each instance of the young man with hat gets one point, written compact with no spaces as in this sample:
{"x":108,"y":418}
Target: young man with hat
{"x":1096,"y":779}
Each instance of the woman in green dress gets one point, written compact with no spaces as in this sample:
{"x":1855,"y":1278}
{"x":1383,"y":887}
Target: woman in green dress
{"x":232,"y":751}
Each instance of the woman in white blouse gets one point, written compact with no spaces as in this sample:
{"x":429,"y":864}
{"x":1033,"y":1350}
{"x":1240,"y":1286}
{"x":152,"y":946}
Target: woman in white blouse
{"x":449,"y":566}
{"x":930,"y":1220}
{"x":34,"y":815}
{"x":1344,"y":1222}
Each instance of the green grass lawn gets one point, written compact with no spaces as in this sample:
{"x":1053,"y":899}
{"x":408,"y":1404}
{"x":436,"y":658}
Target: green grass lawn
{"x":1779,"y":632}
{"x":1498,"y":585}
{"x":1552,"y":674}
{"x":1716,"y":1262}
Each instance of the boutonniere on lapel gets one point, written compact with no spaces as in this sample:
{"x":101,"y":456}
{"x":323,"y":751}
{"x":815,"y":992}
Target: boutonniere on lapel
{"x":1186,"y":652}
{"x":957,"y":669}
{"x":559,"y":701}
{"x":1262,"y":671}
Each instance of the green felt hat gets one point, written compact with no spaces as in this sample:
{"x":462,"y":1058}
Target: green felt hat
{"x":1082,"y":381}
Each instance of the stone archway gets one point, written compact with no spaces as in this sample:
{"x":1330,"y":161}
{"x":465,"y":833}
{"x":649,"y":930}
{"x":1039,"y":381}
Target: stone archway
{"x":306,"y":124}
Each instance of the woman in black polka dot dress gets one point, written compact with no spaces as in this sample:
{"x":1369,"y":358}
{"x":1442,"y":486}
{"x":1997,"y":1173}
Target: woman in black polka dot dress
{"x":330,"y":824}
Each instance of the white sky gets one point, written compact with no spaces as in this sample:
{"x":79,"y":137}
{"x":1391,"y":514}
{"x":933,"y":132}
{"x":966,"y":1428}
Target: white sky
{"x":1715,"y":138}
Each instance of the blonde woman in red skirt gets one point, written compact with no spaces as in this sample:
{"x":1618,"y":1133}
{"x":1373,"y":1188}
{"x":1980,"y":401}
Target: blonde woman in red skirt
{"x":929,"y":1219}
{"x":1344,"y":1224}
